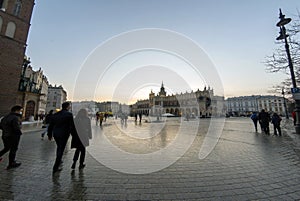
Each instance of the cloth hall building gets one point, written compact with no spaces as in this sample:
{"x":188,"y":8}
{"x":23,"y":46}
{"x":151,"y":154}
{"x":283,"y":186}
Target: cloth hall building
{"x":195,"y":103}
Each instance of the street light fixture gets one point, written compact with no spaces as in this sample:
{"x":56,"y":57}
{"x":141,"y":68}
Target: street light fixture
{"x":283,"y":36}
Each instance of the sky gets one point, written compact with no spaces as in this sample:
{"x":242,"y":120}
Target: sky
{"x":235,"y":37}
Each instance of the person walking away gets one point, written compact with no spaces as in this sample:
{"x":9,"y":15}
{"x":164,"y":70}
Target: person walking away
{"x":126,"y":118}
{"x":47,"y":122}
{"x":140,"y":117}
{"x":264,"y":119}
{"x":81,"y":139}
{"x":276,"y":119}
{"x":254,"y":118}
{"x":97,"y":118}
{"x":105,"y":116}
{"x":11,"y":134}
{"x":101,"y":117}
{"x":135,"y":117}
{"x":122,"y":117}
{"x":60,"y":127}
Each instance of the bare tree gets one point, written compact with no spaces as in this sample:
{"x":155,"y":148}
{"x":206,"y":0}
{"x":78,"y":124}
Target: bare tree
{"x":278,"y":62}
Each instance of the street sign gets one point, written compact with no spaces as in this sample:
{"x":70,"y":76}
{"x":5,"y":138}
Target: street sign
{"x":295,"y":90}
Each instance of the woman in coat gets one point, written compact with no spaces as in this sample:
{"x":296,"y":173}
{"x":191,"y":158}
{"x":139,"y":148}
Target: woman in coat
{"x":81,"y":140}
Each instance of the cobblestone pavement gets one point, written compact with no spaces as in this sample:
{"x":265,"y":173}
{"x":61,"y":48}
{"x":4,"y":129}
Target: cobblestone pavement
{"x":243,"y":166}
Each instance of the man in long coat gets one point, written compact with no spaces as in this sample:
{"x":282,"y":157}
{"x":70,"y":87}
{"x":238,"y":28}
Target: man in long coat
{"x":60,"y":127}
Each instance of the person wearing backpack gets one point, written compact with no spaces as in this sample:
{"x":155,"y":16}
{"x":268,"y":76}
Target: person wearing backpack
{"x":254,"y":118}
{"x":276,"y":119}
{"x":11,"y":134}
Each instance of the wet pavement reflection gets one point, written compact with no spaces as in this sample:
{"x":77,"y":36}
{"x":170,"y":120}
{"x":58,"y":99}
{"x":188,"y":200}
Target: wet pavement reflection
{"x":244,"y":165}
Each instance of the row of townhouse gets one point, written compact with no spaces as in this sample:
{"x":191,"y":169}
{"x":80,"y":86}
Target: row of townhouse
{"x":245,"y":105}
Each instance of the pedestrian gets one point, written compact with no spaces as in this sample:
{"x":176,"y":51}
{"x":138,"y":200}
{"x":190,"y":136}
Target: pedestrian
{"x":97,"y":118}
{"x":264,"y":119}
{"x":276,"y":119}
{"x":41,"y":116}
{"x":46,"y":123}
{"x":125,"y":118}
{"x":11,"y":134}
{"x":135,"y":117}
{"x":81,"y":139}
{"x":140,"y":117}
{"x":101,"y":117}
{"x":122,"y":117}
{"x":294,"y":117}
{"x":105,"y":116}
{"x":60,"y":127}
{"x":254,"y":118}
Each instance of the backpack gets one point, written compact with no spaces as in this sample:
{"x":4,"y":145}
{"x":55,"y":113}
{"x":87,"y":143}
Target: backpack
{"x":254,"y":116}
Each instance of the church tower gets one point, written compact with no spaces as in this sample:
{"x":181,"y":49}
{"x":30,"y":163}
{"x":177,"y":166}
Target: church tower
{"x":162,"y":92}
{"x":15,"y":16}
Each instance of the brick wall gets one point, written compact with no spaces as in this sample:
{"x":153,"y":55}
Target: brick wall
{"x":12,"y":51}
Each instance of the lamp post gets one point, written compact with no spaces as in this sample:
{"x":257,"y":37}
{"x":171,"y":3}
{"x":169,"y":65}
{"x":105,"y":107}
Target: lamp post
{"x":284,"y":104}
{"x":283,"y":36}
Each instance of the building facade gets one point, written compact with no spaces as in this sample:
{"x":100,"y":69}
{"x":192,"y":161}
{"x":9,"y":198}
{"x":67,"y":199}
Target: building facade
{"x":108,"y":106}
{"x":195,"y":103}
{"x":15,"y":16}
{"x":56,"y":96}
{"x":245,"y":105}
{"x":33,"y":89}
{"x":90,"y":106}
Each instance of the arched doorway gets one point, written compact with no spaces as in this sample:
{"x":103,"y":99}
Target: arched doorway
{"x":30,"y":106}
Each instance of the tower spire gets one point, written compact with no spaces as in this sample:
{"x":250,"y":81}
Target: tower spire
{"x":162,"y":90}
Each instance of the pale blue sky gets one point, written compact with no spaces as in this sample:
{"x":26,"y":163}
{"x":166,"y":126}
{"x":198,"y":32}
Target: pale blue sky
{"x":237,"y":35}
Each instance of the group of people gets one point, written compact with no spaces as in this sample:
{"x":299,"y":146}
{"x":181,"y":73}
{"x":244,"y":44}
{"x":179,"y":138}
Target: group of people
{"x":100,"y":117}
{"x":59,"y":126}
{"x":264,"y":118}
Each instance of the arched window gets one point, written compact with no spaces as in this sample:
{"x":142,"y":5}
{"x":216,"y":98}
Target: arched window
{"x":17,"y":7}
{"x":1,"y":21}
{"x":10,"y":30}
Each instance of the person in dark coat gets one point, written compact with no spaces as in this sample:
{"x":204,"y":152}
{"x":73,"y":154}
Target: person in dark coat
{"x":101,"y":117}
{"x":276,"y":119}
{"x":47,"y":122}
{"x":81,"y":139}
{"x":11,"y":134}
{"x":264,"y":119}
{"x":254,"y":118}
{"x":60,"y":127}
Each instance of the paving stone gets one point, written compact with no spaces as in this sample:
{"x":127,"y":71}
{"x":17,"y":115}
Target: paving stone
{"x":243,"y":166}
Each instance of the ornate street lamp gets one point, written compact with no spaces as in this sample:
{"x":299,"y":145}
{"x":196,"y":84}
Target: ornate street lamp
{"x":283,"y":36}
